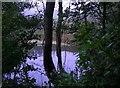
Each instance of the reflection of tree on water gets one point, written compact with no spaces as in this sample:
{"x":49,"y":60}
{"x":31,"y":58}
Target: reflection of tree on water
{"x":64,"y":57}
{"x":39,"y":74}
{"x":37,"y":50}
{"x":19,"y":76}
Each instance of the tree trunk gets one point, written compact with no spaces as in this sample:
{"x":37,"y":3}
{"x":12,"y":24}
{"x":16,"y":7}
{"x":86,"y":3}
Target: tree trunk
{"x":48,"y":22}
{"x":58,"y":36}
{"x":104,"y":16}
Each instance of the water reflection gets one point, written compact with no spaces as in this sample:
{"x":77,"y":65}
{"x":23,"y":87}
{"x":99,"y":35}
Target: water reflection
{"x":35,"y":60}
{"x":68,"y":61}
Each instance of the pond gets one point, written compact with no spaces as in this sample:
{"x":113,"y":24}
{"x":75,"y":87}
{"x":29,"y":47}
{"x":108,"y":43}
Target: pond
{"x":68,"y":62}
{"x":69,"y":58}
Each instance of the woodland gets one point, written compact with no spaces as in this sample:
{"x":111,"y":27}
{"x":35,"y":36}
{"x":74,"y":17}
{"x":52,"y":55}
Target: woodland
{"x":96,"y":35}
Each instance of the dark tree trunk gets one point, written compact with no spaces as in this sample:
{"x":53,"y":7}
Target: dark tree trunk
{"x":104,"y":16}
{"x":48,"y":22}
{"x":85,"y":13}
{"x":58,"y":36}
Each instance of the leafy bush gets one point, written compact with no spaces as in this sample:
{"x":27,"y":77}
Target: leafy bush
{"x":17,"y":31}
{"x":99,"y":55}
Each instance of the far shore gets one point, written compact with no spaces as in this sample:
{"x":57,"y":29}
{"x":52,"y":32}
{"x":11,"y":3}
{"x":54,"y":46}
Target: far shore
{"x":39,"y":43}
{"x":66,"y":38}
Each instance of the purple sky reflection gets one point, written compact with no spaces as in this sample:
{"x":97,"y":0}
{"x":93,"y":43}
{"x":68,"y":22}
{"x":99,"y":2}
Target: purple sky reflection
{"x":68,"y":65}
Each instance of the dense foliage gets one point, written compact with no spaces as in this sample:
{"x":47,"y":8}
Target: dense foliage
{"x":17,"y":31}
{"x":96,"y":28}
{"x":98,"y":48}
{"x":99,"y":55}
{"x":98,"y":40}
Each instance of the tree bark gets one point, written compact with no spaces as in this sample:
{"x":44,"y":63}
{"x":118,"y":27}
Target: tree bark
{"x":104,"y":16}
{"x":48,"y":22}
{"x":58,"y":36}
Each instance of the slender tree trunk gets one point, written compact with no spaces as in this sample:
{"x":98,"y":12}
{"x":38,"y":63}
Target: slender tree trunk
{"x":85,"y":17}
{"x":85,"y":13}
{"x":104,"y":16}
{"x":58,"y":36}
{"x":48,"y":22}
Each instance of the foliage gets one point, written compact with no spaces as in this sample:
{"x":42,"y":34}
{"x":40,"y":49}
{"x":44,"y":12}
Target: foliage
{"x":99,"y":52}
{"x":64,"y":79}
{"x":17,"y":31}
{"x":98,"y":48}
{"x":19,"y":76}
{"x":99,"y":55}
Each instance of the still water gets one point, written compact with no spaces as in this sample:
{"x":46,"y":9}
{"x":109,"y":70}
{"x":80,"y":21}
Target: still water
{"x":68,"y":61}
{"x":69,"y":57}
